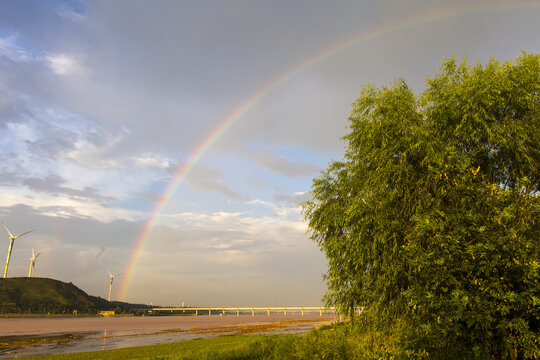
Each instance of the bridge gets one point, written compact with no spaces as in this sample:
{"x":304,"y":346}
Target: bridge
{"x":195,"y":311}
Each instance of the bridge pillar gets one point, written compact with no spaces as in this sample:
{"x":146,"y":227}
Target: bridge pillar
{"x":196,"y":311}
{"x":285,"y":311}
{"x":237,"y":312}
{"x":320,"y":311}
{"x":252,"y":312}
{"x":209,"y":311}
{"x":268,"y":310}
{"x":302,"y":311}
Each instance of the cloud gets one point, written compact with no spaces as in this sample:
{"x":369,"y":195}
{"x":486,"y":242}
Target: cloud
{"x":204,"y":179}
{"x":282,"y":165}
{"x":14,"y":52}
{"x":12,"y":109}
{"x":57,"y":141}
{"x":281,"y":211}
{"x":63,"y":64}
{"x":210,"y":251}
{"x":70,"y":14}
{"x":11,"y":177}
{"x":211,"y":180}
{"x":293,"y":200}
{"x":148,"y":160}
{"x":52,"y":183}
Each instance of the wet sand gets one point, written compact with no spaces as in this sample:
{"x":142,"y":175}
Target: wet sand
{"x":43,"y":326}
{"x":42,"y":336}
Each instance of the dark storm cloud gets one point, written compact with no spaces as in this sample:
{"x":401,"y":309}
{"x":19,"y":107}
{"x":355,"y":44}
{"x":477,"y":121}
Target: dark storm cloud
{"x":191,"y":64}
{"x":173,"y":61}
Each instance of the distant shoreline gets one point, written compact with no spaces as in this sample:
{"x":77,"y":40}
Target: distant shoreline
{"x":18,"y":316}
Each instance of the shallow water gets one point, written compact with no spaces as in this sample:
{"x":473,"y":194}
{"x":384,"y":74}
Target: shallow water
{"x":68,"y":342}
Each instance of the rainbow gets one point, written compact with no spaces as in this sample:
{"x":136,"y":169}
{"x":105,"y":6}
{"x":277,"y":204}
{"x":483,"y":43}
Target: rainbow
{"x":254,"y":99}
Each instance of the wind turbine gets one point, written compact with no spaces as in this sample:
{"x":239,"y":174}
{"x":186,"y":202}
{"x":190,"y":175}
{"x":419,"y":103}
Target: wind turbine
{"x":32,"y":263}
{"x":110,"y":284}
{"x":11,"y":241}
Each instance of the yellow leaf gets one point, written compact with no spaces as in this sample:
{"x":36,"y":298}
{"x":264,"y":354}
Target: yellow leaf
{"x":476,"y":171}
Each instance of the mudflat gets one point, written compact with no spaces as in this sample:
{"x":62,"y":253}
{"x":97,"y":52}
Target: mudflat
{"x":41,"y":326}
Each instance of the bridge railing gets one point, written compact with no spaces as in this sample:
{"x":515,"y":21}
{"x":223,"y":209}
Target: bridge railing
{"x":218,"y":310}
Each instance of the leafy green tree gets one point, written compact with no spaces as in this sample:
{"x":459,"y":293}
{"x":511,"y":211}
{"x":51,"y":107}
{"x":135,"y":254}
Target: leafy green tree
{"x":432,"y":216}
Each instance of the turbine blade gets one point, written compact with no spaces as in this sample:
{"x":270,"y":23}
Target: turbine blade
{"x":37,"y":255}
{"x":5,"y":227}
{"x":118,"y":275}
{"x":22,"y":234}
{"x":33,"y":251}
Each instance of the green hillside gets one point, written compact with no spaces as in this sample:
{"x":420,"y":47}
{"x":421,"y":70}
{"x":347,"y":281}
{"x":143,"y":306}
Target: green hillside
{"x":42,"y":295}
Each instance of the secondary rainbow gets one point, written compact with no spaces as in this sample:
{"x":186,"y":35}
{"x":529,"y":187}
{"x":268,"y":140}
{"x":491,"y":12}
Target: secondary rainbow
{"x":252,"y":100}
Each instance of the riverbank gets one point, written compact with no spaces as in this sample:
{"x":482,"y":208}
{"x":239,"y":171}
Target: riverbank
{"x":42,"y":336}
{"x":41,"y":326}
{"x":337,"y":341}
{"x":37,"y":316}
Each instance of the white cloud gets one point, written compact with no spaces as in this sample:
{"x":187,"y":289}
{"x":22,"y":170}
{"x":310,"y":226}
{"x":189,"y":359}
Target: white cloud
{"x":152,"y":161}
{"x":63,"y":64}
{"x":70,"y":14}
{"x":10,"y":49}
{"x":281,"y":211}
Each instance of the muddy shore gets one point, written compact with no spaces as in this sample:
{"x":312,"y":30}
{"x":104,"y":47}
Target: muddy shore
{"x":42,"y":326}
{"x":42,"y":336}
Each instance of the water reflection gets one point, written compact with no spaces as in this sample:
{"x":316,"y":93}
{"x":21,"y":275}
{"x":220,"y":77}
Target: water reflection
{"x":104,"y":340}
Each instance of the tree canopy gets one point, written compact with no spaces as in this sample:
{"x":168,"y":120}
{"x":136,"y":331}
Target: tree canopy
{"x":432,"y":215}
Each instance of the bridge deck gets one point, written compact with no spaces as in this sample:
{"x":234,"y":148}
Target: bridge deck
{"x":253,"y":309}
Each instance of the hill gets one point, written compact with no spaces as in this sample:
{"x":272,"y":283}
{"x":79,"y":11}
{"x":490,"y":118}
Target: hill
{"x":43,"y":295}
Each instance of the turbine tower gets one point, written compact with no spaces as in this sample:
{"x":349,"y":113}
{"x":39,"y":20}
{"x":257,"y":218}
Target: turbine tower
{"x":11,"y":241}
{"x":110,"y":284}
{"x":32,"y":263}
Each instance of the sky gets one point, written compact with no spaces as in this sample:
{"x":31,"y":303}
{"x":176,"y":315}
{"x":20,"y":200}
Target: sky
{"x":172,"y":142}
